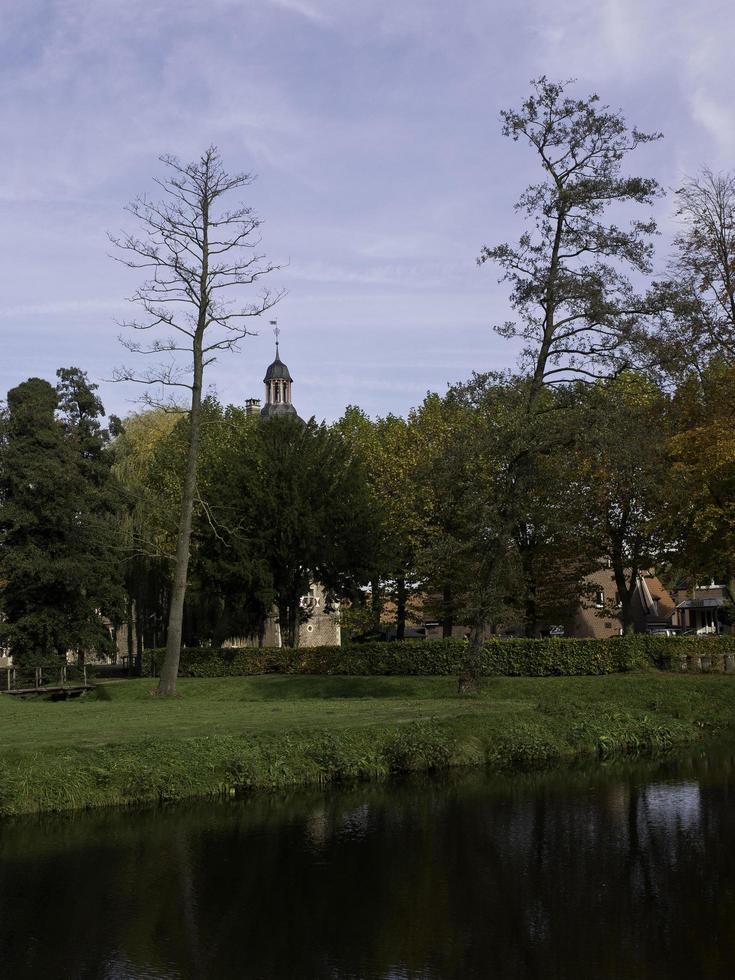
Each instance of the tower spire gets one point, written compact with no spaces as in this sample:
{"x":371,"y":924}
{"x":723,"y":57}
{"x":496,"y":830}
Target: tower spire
{"x":278,"y":383}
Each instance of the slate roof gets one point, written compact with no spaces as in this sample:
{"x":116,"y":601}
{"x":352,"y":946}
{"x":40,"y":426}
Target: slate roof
{"x":272,"y":409}
{"x":717,"y":602}
{"x":277,"y":371}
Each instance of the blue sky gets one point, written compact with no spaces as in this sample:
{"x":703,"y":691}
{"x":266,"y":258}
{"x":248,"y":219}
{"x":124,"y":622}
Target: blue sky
{"x":373,"y":129}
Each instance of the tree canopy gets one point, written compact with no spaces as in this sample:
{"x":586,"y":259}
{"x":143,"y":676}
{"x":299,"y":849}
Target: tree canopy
{"x":59,"y":560}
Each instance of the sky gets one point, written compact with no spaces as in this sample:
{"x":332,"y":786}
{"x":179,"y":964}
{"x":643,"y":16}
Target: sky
{"x":373,"y":129}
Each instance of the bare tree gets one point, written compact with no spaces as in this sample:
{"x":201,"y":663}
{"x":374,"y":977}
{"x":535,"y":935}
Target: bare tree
{"x":703,"y":266}
{"x":195,"y":251}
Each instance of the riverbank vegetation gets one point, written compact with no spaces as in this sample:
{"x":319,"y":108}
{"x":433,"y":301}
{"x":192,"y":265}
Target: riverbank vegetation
{"x":233,"y":735}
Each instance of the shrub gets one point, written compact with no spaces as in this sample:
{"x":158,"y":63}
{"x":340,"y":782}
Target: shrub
{"x":514,"y":657}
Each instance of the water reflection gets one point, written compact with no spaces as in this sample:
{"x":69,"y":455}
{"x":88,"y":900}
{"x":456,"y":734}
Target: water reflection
{"x":625,"y":873}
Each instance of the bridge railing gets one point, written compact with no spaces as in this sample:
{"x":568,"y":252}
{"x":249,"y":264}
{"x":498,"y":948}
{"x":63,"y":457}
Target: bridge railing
{"x":20,"y":677}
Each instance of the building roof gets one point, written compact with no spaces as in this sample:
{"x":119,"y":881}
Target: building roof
{"x":277,"y":371}
{"x":715,"y":602}
{"x":652,"y":605}
{"x":272,"y":409}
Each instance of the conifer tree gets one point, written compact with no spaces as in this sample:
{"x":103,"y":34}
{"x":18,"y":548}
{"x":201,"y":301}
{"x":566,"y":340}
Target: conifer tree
{"x":58,"y":562}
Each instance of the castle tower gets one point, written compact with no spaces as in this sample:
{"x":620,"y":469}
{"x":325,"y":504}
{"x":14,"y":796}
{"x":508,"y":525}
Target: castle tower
{"x":277,"y":383}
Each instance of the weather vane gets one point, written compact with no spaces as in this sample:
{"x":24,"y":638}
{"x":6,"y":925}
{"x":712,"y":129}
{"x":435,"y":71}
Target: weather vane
{"x":276,"y":332}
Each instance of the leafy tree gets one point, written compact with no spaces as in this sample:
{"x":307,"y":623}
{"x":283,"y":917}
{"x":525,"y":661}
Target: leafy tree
{"x":577,"y":309}
{"x":147,"y":532}
{"x":231,"y":592}
{"x":390,"y":450}
{"x":701,"y":514}
{"x":445,"y":432}
{"x":198,"y":251}
{"x":525,"y":572}
{"x":625,"y":475}
{"x":403,"y":505}
{"x":58,"y":555}
{"x":359,"y":432}
{"x":286,"y":506}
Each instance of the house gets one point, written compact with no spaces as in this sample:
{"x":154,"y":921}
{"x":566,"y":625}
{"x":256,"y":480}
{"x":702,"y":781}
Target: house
{"x":595,"y":616}
{"x":652,"y":606}
{"x":321,"y":625}
{"x":702,"y":609}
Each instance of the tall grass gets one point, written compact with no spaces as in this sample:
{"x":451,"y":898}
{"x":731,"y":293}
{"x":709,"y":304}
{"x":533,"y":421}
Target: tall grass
{"x":152,"y":769}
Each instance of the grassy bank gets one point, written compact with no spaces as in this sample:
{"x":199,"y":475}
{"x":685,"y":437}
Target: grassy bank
{"x":234,"y":734}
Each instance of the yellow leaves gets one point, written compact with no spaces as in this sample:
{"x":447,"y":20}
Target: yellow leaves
{"x":135,"y":448}
{"x":702,"y":454}
{"x":400,"y":456}
{"x":634,"y":390}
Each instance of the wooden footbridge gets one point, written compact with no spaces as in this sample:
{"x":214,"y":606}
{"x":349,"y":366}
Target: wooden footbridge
{"x":58,"y":690}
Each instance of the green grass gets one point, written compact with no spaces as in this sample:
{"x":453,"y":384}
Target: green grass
{"x":123,"y":745}
{"x":227,"y":706}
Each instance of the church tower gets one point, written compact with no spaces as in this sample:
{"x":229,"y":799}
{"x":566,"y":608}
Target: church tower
{"x":320,"y":625}
{"x":277,"y":383}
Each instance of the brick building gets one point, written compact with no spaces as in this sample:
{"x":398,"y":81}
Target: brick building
{"x":652,"y":606}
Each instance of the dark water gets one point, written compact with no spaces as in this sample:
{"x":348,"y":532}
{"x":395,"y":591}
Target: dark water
{"x":626,"y":872}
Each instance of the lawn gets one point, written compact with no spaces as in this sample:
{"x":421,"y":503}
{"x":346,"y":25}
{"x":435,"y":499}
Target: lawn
{"x":124,"y":745}
{"x":125,"y":710}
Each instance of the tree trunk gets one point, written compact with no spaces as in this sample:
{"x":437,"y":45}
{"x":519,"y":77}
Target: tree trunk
{"x":138,"y":624}
{"x":626,"y":617}
{"x":130,"y":637}
{"x":447,"y":611}
{"x":376,"y":602}
{"x":400,"y":608}
{"x":530,"y":610}
{"x":530,"y":606}
{"x":288,"y":615}
{"x":170,"y":668}
{"x":625,"y":594}
{"x":293,"y":626}
{"x":469,"y":679}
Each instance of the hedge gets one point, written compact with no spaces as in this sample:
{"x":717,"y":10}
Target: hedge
{"x":512,"y":657}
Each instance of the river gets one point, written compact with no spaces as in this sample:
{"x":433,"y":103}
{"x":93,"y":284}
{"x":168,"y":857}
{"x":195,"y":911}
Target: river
{"x":623,"y":871}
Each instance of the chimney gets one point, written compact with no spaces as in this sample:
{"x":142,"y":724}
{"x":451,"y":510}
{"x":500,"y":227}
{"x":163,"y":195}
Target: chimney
{"x":252,"y":406}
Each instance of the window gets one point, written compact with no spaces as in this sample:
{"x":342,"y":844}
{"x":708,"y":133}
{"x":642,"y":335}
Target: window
{"x":600,"y":598}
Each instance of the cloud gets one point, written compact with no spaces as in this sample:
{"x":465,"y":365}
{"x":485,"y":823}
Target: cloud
{"x":303,"y":9}
{"x":53,"y":308}
{"x":373,"y":127}
{"x":354,"y":383}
